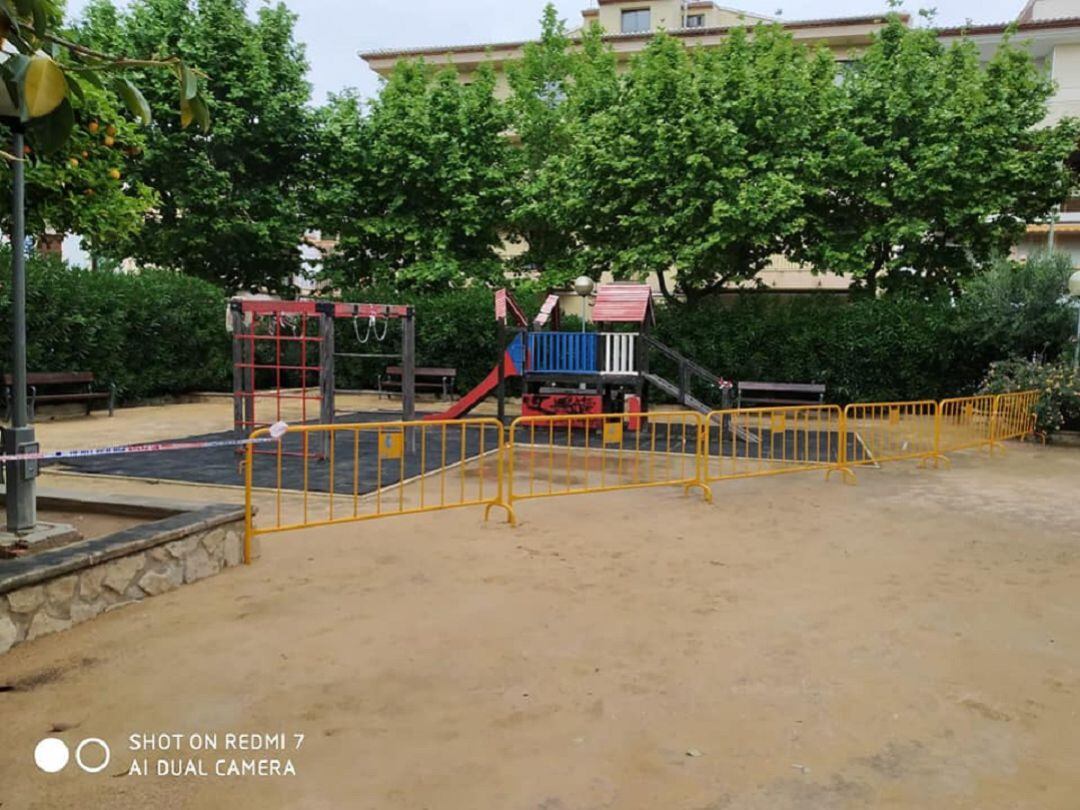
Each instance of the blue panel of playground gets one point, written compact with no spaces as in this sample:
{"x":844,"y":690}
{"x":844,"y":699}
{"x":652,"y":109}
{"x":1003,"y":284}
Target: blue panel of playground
{"x":224,"y":465}
{"x":564,"y":352}
{"x":517,"y":352}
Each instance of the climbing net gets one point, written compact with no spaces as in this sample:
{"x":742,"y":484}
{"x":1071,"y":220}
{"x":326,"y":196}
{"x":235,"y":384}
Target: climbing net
{"x":283,"y":357}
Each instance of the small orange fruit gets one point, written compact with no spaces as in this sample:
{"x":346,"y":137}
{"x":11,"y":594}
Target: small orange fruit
{"x":93,"y":127}
{"x":110,"y":130}
{"x":109,"y":140}
{"x":74,"y":163}
{"x":114,"y":174}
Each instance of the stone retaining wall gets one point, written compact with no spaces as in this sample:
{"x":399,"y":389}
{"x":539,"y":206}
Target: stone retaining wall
{"x":58,"y":589}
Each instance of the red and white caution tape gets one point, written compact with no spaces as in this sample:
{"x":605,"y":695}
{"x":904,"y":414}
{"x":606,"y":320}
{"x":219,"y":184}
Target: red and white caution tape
{"x":277,"y":430}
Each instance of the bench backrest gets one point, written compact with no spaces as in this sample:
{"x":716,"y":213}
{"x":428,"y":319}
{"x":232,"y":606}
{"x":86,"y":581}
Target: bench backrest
{"x":781,"y":393}
{"x":55,"y":378}
{"x":398,"y":371}
{"x":783,"y":388}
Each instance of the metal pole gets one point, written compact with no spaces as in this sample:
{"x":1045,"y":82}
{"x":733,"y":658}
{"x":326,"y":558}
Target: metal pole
{"x":236,"y":317}
{"x":584,"y":311}
{"x":501,"y":341}
{"x":21,"y":503}
{"x":408,"y":362}
{"x":1076,"y":354}
{"x":327,"y":379}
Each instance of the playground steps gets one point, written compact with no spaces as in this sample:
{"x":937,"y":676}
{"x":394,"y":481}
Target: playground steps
{"x":693,"y":403}
{"x":672,"y":390}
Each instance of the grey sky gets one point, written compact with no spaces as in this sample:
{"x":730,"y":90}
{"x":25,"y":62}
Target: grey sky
{"x":334,"y":30}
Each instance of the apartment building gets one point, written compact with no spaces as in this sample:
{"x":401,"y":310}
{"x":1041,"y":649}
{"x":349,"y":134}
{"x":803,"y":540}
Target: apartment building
{"x":1050,"y":29}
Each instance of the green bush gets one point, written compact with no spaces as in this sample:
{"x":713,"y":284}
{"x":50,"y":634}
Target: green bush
{"x":868,"y":349}
{"x":1015,"y":309}
{"x":150,"y":333}
{"x":1058,"y":385}
{"x":889,"y":348}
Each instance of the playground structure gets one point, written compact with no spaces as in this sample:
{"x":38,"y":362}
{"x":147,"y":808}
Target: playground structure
{"x":576,"y":373}
{"x":284,"y":355}
{"x":479,"y":462}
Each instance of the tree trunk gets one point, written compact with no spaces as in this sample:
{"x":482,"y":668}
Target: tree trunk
{"x":664,"y":291}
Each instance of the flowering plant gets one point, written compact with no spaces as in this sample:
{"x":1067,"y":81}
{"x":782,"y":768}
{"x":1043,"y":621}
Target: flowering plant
{"x":1057,"y":383}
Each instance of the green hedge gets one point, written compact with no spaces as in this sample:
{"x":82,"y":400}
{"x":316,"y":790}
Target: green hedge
{"x":879,"y":349}
{"x":150,"y":333}
{"x":862,"y":350}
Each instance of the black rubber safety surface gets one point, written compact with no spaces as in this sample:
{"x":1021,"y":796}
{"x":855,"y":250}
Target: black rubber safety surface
{"x":356,"y":461}
{"x":358,"y":464}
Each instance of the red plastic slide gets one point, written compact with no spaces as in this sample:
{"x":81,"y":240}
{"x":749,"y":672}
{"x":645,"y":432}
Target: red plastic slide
{"x":477,"y":395}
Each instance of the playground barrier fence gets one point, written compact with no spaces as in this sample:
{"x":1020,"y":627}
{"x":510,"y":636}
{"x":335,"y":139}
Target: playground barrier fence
{"x":755,"y":442}
{"x":378,"y":469}
{"x":374,"y":470}
{"x":877,"y":432}
{"x":965,"y":423}
{"x":1014,"y":415}
{"x":572,"y":455}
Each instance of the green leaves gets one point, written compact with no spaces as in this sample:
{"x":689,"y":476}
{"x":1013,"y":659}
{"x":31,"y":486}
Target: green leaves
{"x":48,"y":68}
{"x":417,"y":189}
{"x":697,"y":167}
{"x":194,"y":110}
{"x":231,"y":205}
{"x":51,"y":132}
{"x":933,"y":163}
{"x":134,"y":100}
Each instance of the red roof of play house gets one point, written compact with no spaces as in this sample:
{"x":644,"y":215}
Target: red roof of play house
{"x":622,"y":303}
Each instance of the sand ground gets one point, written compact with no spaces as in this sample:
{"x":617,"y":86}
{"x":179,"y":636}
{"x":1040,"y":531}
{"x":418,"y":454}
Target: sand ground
{"x":912,"y":642}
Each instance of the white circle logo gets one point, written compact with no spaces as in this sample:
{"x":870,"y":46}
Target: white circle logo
{"x":51,"y":755}
{"x":92,"y":768}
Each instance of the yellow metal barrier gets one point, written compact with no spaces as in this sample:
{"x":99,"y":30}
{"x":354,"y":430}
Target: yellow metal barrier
{"x":1015,"y":415}
{"x":889,"y":431}
{"x":378,"y":469}
{"x":374,"y":470}
{"x":966,"y":422}
{"x":754,"y":442}
{"x":572,"y":455}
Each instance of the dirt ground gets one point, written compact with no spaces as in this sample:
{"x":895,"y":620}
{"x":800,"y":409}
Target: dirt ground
{"x":911,"y":642}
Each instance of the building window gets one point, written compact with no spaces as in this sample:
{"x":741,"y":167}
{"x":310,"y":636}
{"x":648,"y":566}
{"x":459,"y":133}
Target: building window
{"x":695,"y":20}
{"x":636,"y":21}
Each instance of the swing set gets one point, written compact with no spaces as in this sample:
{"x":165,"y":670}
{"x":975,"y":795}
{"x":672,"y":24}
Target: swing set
{"x":284,"y":359}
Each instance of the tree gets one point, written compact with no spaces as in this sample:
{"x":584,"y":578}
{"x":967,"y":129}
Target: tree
{"x":65,"y":95}
{"x":935,"y":162}
{"x":84,"y":188}
{"x":231,"y":202}
{"x":45,"y":73}
{"x":701,"y":162}
{"x":539,"y":113}
{"x":416,"y":190}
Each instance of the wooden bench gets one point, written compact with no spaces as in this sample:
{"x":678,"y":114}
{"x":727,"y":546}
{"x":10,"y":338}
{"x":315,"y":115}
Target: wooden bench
{"x":55,"y":388}
{"x":436,"y":380}
{"x":751,"y":394}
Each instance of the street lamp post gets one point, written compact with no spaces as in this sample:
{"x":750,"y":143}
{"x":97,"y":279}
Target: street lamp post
{"x":19,"y":437}
{"x":1074,"y":291}
{"x":584,"y":287}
